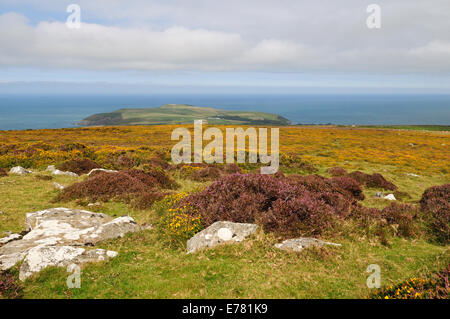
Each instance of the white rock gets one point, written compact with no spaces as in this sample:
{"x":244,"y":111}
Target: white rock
{"x":10,"y":238}
{"x":19,"y":170}
{"x":218,"y":233}
{"x":58,"y":172}
{"x":57,"y":227}
{"x":50,"y":168}
{"x":298,"y":244}
{"x":101,"y":170}
{"x":42,"y":256}
{"x":225,"y":234}
{"x":412,"y":174}
{"x":58,"y":186}
{"x":390,"y":197}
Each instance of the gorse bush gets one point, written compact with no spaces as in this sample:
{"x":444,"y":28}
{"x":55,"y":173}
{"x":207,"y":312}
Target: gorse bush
{"x":78,"y":166}
{"x":296,"y":205}
{"x":436,"y":201}
{"x":433,"y":286}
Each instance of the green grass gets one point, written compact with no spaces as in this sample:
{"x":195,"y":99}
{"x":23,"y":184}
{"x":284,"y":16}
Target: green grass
{"x":182,"y":114}
{"x":149,"y":268}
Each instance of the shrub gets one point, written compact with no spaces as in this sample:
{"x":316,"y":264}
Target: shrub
{"x":436,"y":201}
{"x":158,"y":173}
{"x":402,"y":215}
{"x":350,"y":185}
{"x":78,"y":166}
{"x":3,"y":172}
{"x":294,"y":161}
{"x":375,"y":180}
{"x":337,"y":171}
{"x":105,"y":186}
{"x":206,"y":174}
{"x":182,"y":223}
{"x":146,"y":200}
{"x":295,"y":205}
{"x":433,"y":286}
{"x":10,"y":288}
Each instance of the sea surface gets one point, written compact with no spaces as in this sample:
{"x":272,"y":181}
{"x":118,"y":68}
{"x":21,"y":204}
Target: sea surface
{"x":19,"y":112}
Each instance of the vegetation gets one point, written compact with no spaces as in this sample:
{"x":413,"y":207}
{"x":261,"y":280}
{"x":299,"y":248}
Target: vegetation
{"x":317,"y":193}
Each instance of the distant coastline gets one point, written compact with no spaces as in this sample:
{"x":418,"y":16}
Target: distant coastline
{"x":21,"y":112}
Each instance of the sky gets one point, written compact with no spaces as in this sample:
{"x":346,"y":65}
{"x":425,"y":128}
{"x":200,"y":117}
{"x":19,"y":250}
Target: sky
{"x":233,"y":46}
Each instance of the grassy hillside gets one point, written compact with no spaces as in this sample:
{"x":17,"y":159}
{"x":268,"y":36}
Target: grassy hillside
{"x":150,"y":266}
{"x":182,"y":114}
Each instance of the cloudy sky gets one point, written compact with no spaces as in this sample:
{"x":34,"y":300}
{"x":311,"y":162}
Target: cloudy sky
{"x":235,"y":45}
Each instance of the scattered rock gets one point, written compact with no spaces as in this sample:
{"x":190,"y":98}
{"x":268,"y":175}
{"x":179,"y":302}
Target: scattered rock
{"x":19,"y":170}
{"x":1,"y":213}
{"x":42,"y":256}
{"x":218,"y":233}
{"x":379,"y":194}
{"x":50,"y":168}
{"x":58,"y":186}
{"x":57,"y":227}
{"x":412,"y":174}
{"x":390,"y":197}
{"x":94,"y":204}
{"x":101,"y":170}
{"x":298,"y":244}
{"x":58,"y":172}
{"x":10,"y":238}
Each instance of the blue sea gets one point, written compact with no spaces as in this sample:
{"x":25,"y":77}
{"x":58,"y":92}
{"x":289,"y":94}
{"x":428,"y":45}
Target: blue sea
{"x":18,"y":112}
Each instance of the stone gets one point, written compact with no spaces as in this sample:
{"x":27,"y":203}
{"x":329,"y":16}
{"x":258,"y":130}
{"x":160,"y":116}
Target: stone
{"x":101,"y":170}
{"x":42,"y":256}
{"x":94,"y":204}
{"x":298,"y":244}
{"x":57,"y":227}
{"x":379,"y":194}
{"x":390,"y":197}
{"x":412,"y":175}
{"x":58,"y":172}
{"x":50,"y":168}
{"x":10,"y":238}
{"x":1,"y":213}
{"x":58,"y":186}
{"x":219,"y":233}
{"x":19,"y":170}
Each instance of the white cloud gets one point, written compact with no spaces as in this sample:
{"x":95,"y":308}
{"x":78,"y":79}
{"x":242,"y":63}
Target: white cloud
{"x":263,"y":35}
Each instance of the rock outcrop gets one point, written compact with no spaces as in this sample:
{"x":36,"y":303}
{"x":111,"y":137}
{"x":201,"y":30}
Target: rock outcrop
{"x":219,"y":233}
{"x":298,"y":244}
{"x":19,"y":170}
{"x":61,"y":227}
{"x":55,"y":171}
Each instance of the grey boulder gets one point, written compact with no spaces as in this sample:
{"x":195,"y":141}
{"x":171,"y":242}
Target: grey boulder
{"x":19,"y":170}
{"x":219,"y":233}
{"x":298,"y":244}
{"x":57,"y":227}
